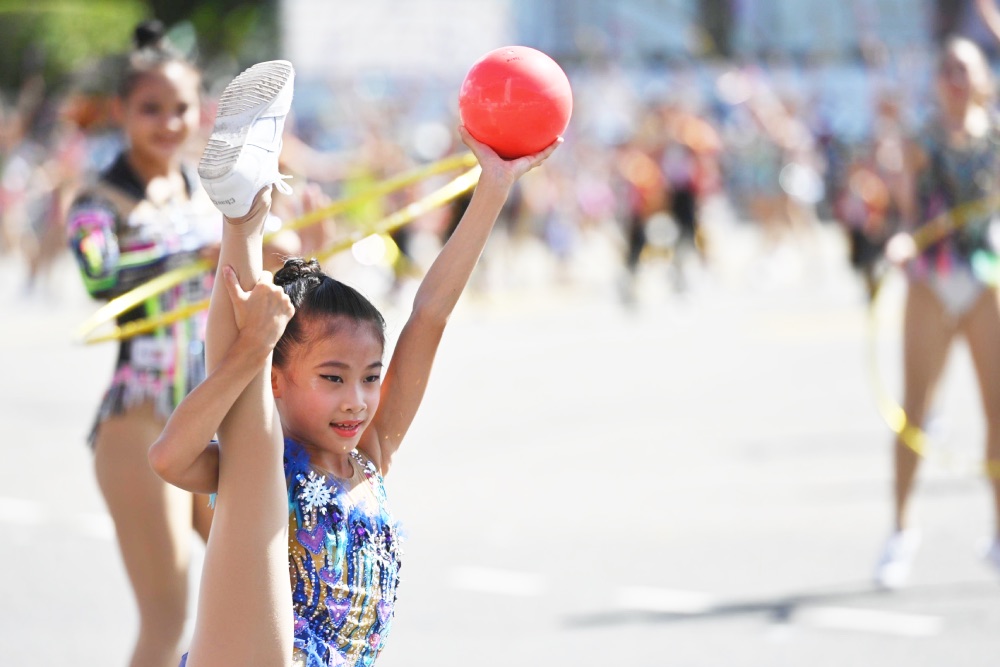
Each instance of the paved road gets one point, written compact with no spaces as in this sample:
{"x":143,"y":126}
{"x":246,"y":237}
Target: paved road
{"x":697,"y":480}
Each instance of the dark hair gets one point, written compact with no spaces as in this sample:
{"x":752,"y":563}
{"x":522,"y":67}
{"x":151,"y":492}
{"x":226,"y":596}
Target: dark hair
{"x":315,"y":296}
{"x":151,"y":50}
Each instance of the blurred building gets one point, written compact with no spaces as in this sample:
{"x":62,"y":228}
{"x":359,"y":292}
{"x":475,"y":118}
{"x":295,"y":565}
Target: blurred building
{"x":833,"y":57}
{"x":440,"y":36}
{"x":426,"y":38}
{"x":669,"y":29}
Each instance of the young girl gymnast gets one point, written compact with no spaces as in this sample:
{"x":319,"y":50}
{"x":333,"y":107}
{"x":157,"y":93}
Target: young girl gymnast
{"x":307,"y":416}
{"x":144,"y":215}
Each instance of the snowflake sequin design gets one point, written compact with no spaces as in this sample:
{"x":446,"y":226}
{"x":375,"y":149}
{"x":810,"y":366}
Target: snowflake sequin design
{"x":315,"y":494}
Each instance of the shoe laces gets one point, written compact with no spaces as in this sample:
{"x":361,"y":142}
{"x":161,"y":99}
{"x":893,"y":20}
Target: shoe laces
{"x":281,"y":184}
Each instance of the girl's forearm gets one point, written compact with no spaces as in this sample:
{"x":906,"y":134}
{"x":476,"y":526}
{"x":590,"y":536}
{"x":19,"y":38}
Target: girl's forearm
{"x":184,"y":454}
{"x":450,"y":272}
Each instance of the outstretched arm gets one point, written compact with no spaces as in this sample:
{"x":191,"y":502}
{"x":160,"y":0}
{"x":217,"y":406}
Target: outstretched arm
{"x":409,"y":369}
{"x":183,"y":454}
{"x":991,"y":15}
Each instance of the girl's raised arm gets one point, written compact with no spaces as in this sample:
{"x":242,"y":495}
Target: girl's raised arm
{"x":184,"y":454}
{"x":406,"y":377}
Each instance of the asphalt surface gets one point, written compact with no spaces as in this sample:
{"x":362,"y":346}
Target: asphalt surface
{"x":693,"y":479}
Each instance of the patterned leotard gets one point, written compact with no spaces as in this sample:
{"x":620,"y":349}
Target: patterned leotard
{"x":960,"y":183}
{"x":121,"y":240}
{"x":343,"y":558}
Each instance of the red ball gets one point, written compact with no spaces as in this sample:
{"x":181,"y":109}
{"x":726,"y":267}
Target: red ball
{"x":516,"y":100}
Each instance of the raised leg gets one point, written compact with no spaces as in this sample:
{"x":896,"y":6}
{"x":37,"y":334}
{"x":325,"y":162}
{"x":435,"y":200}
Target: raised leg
{"x":245,"y":610}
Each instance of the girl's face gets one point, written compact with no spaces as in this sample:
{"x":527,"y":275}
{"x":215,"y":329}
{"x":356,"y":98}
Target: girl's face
{"x":329,"y":390}
{"x":962,"y":78}
{"x":161,"y":112}
{"x":954,"y":77}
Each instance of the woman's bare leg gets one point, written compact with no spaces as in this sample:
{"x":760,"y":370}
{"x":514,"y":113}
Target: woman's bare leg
{"x":153,"y":523}
{"x":927,"y":335}
{"x":981,"y":328}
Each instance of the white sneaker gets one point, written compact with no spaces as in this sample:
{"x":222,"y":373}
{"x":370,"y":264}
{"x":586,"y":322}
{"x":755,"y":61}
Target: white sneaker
{"x":241,"y":157}
{"x":893,"y":568}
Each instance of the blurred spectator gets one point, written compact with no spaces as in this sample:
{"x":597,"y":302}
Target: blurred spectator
{"x":950,"y":258}
{"x":873,"y":193}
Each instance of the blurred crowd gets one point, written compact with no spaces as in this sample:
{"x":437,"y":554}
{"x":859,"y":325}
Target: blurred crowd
{"x":646,"y":152}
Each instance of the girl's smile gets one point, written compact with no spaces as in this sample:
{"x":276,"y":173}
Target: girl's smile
{"x":347,"y":429}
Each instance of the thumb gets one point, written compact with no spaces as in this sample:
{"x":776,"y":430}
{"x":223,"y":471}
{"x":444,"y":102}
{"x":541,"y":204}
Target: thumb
{"x":232,"y":283}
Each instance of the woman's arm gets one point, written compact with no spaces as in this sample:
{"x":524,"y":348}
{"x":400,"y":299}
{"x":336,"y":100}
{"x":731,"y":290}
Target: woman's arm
{"x":91,"y":232}
{"x":903,"y":246}
{"x":407,"y":374}
{"x":990,"y":15}
{"x":184,"y":455}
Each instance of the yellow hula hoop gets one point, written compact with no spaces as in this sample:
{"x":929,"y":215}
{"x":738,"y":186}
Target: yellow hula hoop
{"x":133,"y":298}
{"x":464,"y":160}
{"x":405,"y":215}
{"x":909,"y":434}
{"x":408,"y":213}
{"x":162,"y":283}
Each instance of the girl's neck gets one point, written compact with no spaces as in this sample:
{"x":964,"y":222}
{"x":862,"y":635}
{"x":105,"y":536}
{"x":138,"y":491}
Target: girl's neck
{"x":147,"y":169}
{"x":336,"y":463}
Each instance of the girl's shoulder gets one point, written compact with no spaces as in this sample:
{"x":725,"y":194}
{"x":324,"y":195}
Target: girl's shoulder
{"x":115,"y":190}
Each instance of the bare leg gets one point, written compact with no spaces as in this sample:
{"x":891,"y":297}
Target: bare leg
{"x":245,"y":603}
{"x":927,"y":334}
{"x":153,"y":522}
{"x":242,"y":249}
{"x":982,"y":331}
{"x":245,"y":608}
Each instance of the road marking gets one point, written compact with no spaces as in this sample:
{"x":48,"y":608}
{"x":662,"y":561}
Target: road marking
{"x":20,"y":511}
{"x":663,"y":600}
{"x":869,"y":620}
{"x":498,"y":582}
{"x":23,"y":512}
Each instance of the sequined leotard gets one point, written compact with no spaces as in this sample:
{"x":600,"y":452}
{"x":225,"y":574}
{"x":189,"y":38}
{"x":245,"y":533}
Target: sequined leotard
{"x":343,"y":557}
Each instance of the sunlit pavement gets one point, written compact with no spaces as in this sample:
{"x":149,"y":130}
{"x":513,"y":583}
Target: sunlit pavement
{"x":697,"y":479}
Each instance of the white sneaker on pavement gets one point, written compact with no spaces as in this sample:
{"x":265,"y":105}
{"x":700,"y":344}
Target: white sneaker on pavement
{"x":241,"y":157}
{"x":893,"y":568}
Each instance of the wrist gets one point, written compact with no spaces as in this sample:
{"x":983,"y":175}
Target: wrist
{"x":493,"y":190}
{"x":252,"y":347}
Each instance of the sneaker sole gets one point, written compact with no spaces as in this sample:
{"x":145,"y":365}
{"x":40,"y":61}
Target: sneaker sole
{"x":257,"y":89}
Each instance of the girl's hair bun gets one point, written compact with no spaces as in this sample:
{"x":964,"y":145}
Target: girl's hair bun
{"x":149,"y":34}
{"x":152,"y":49}
{"x":319,"y":298}
{"x":296,"y":269}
